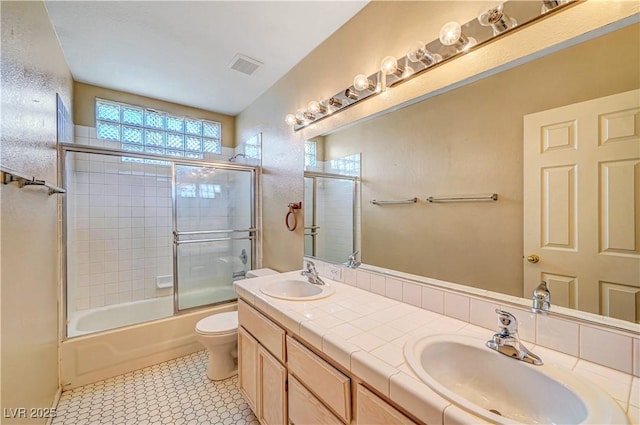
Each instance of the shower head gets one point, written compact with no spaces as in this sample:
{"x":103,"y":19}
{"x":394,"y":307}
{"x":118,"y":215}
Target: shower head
{"x":234,"y":157}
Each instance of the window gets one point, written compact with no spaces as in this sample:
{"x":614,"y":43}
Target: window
{"x":157,"y":132}
{"x":310,"y":155}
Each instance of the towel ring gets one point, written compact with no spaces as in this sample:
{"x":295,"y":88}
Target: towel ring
{"x":292,"y":213}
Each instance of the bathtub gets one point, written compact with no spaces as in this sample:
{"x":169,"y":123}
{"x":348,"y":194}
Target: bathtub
{"x":118,"y":315}
{"x":92,"y":356}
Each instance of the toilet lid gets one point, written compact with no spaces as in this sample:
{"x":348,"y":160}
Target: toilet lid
{"x":218,"y":323}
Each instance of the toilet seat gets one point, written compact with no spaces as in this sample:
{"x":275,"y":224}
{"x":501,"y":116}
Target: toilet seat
{"x":218,"y":324}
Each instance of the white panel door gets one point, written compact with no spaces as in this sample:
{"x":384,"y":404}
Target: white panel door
{"x":582,"y":204}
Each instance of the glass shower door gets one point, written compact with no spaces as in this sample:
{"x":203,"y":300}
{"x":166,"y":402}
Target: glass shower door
{"x":213,"y":232}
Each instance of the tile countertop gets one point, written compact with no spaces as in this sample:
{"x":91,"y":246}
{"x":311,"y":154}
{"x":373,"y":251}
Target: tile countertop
{"x":365,"y":333}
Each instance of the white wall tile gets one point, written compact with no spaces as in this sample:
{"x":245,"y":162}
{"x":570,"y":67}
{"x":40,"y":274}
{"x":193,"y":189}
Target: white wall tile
{"x":412,"y":294}
{"x":433,"y":300}
{"x":393,"y":288}
{"x":456,"y":306}
{"x":557,"y":334}
{"x":606,"y":348}
{"x":363,"y":280}
{"x":483,"y":313}
{"x":378,"y":284}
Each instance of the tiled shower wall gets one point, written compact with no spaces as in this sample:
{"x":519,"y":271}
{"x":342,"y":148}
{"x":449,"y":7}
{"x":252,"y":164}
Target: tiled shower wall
{"x":119,"y":226}
{"x":118,"y":230}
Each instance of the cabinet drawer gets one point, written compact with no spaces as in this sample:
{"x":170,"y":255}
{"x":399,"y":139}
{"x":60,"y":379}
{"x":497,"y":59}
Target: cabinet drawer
{"x":264,"y":330}
{"x":305,"y":409}
{"x":372,"y":410}
{"x":325,"y":381}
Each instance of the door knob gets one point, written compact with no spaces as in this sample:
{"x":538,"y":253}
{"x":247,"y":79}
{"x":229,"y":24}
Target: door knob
{"x":533,"y":258}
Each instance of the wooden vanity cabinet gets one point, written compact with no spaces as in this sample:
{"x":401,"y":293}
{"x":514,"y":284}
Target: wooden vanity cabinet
{"x":262,"y":376}
{"x":285,"y":382}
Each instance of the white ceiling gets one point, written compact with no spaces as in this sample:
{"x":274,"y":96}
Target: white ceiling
{"x":180,"y":51}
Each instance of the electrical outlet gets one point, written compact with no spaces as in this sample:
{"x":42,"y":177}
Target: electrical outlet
{"x":335,"y":272}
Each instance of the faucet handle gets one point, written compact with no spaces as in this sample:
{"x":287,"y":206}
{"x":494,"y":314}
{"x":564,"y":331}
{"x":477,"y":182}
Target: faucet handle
{"x":311,"y":266}
{"x":507,"y":322}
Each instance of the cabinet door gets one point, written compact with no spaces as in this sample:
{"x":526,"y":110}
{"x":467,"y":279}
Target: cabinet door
{"x":372,"y":410}
{"x":272,"y":397}
{"x":247,"y":367}
{"x":305,"y":408}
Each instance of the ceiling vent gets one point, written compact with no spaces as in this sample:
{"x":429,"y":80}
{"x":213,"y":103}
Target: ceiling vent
{"x":244,"y":64}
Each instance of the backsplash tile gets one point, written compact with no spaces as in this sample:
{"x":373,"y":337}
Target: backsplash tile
{"x":558,"y":334}
{"x":593,"y":343}
{"x":363,"y":280}
{"x":393,"y":289}
{"x":456,"y":306}
{"x":483,"y":313}
{"x":433,"y":299}
{"x":562,"y":335}
{"x":412,"y":294}
{"x":378,"y":284}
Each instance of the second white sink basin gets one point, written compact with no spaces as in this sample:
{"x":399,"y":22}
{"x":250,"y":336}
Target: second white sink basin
{"x":297,"y":290}
{"x":503,"y":390}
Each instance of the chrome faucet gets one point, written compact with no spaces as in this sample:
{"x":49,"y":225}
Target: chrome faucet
{"x":351,"y":261}
{"x":541,"y":298}
{"x":311,"y":274}
{"x":507,"y":341}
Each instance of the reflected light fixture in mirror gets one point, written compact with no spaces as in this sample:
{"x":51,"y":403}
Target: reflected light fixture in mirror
{"x":495,"y":18}
{"x":418,"y":52}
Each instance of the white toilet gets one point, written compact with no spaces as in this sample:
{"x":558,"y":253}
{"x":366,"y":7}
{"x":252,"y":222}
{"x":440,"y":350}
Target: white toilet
{"x":219,"y":334}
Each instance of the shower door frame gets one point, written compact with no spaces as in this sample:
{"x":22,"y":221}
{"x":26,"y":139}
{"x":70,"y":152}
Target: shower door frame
{"x":64,"y":148}
{"x":314,"y":175}
{"x":252,"y":230}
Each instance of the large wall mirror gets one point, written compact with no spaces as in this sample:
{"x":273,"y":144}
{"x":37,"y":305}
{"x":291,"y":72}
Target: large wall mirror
{"x":471,"y":141}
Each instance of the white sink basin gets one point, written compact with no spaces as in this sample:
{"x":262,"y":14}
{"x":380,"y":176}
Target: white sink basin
{"x":297,"y":290}
{"x":503,"y":390}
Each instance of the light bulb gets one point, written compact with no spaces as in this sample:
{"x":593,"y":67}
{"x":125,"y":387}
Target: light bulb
{"x":450,"y":33}
{"x":362,"y":82}
{"x":389,"y":65}
{"x":314,"y":107}
{"x":291,"y":119}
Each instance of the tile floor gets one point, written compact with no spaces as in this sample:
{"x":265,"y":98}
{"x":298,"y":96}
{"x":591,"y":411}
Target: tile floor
{"x":175,"y":392}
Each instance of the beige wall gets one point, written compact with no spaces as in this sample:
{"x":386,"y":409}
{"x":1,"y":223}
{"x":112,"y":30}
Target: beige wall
{"x":33,"y":71}
{"x":470,"y":141}
{"x":84,"y":99}
{"x":380,"y":29}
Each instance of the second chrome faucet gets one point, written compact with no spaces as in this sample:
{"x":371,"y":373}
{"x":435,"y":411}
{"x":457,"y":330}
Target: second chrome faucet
{"x":507,"y":341}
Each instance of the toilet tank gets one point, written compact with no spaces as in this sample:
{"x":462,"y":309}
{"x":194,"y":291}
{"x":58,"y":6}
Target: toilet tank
{"x":260,"y":273}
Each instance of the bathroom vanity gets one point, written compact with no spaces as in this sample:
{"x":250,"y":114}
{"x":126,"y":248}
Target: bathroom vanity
{"x":340,"y":359}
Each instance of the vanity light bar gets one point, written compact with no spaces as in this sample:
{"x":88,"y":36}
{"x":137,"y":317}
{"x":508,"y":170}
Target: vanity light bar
{"x":454,"y":40}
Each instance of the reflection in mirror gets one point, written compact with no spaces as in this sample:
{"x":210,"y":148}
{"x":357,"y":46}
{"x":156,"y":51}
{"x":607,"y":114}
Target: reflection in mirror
{"x":469,"y":141}
{"x":331,"y":204}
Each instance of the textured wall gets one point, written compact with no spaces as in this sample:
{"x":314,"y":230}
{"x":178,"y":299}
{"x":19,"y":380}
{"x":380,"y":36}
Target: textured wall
{"x":380,"y":29}
{"x":84,"y":99}
{"x":33,"y":71}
